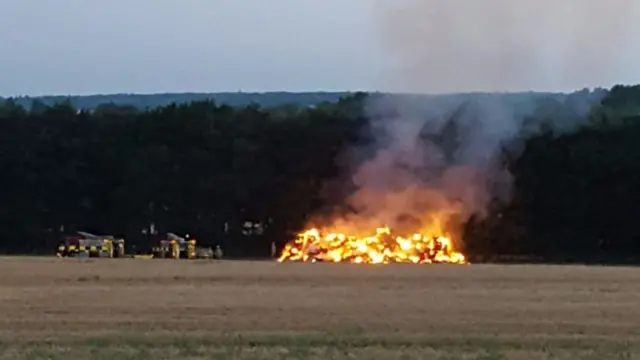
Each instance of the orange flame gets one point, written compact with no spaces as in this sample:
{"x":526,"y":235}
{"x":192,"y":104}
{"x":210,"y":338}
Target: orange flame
{"x":381,"y":248}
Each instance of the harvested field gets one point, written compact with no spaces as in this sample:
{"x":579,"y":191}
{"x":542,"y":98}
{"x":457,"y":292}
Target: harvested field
{"x":154,"y":309}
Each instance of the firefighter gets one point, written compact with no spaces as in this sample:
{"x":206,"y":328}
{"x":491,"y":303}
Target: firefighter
{"x":273,"y":249}
{"x":218,"y":252}
{"x":120,"y":251}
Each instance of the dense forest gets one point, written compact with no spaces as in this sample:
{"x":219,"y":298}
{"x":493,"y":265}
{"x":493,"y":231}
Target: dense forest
{"x":150,"y":101}
{"x":244,"y":176}
{"x":242,"y":99}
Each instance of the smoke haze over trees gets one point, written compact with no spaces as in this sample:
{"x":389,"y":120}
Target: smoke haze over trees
{"x":246,"y":176}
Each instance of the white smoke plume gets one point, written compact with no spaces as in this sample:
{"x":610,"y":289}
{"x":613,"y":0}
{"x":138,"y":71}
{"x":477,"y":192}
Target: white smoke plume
{"x":442,"y":46}
{"x":428,"y":173}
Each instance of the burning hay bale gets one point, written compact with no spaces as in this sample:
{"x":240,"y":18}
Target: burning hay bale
{"x":382,"y":248}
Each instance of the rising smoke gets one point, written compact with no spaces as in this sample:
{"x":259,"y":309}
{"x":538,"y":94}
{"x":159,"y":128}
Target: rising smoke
{"x":437,"y":162}
{"x":440,"y":46}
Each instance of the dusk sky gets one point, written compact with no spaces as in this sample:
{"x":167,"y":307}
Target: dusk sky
{"x":149,"y":46}
{"x":81,"y":46}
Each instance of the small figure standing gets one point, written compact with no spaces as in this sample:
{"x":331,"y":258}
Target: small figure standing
{"x":273,"y":249}
{"x":217,"y":253}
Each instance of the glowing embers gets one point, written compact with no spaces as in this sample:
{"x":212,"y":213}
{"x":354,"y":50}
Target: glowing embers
{"x":381,"y":248}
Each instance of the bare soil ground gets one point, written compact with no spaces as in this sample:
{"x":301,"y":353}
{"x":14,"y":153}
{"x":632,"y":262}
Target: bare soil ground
{"x":178,"y":309}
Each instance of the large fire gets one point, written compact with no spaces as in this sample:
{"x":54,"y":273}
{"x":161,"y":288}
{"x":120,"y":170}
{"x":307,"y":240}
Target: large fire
{"x":381,"y":248}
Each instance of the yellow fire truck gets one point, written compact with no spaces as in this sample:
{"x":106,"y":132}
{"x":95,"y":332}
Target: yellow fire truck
{"x":85,"y":244}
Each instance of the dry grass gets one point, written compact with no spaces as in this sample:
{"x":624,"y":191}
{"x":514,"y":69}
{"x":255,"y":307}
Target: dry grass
{"x":155,"y":309}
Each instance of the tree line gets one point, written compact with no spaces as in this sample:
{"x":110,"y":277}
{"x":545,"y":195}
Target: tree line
{"x":245,"y":177}
{"x":147,"y":101}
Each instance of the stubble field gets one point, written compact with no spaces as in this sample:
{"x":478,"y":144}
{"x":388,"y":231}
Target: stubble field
{"x":167,"y":309}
